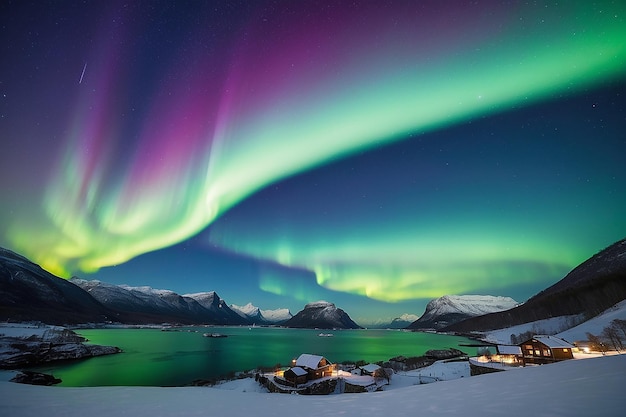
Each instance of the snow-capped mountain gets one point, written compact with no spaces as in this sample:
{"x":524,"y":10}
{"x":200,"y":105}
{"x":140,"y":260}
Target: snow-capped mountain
{"x":280,"y":315}
{"x":322,"y":315}
{"x":146,"y":304}
{"x":449,"y":309}
{"x":402,"y":321}
{"x":258,"y":316}
{"x":249,"y":311}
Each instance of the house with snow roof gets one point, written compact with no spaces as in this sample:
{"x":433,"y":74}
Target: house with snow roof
{"x":296,"y":376}
{"x":306,"y":368}
{"x":369,"y":369}
{"x":545,"y":349}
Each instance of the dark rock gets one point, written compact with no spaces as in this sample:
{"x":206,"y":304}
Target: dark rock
{"x":441,"y":354}
{"x":324,"y":387}
{"x":24,"y":354}
{"x":35,"y":378}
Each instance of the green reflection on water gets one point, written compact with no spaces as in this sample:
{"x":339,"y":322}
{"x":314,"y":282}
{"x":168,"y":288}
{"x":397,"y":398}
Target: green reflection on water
{"x":158,"y":358}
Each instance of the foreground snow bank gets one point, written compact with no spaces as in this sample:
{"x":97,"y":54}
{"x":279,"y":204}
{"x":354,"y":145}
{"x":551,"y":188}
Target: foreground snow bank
{"x":571,"y":388}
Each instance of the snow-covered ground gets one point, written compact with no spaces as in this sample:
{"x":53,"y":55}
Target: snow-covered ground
{"x":596,"y":324}
{"x":561,"y":326}
{"x":23,"y":330}
{"x":549,"y":326}
{"x":570,"y":388}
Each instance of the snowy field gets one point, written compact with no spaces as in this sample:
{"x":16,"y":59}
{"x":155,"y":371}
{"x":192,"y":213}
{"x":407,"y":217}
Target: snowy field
{"x":587,"y":387}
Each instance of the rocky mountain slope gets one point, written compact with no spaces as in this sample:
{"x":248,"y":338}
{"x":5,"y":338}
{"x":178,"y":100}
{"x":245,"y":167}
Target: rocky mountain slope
{"x":29,"y":293}
{"x":449,"y":309}
{"x":321,"y":315}
{"x":148,"y":305}
{"x":589,"y":289}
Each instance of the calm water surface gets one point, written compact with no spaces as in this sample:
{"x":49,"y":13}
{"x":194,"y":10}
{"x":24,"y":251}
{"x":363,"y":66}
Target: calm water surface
{"x":157,"y":358}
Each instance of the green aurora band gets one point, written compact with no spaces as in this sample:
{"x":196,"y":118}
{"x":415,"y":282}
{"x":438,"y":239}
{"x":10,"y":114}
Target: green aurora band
{"x":382,"y":86}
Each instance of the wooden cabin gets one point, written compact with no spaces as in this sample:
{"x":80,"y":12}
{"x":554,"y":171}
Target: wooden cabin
{"x":295,"y":376}
{"x":545,"y":349}
{"x":315,"y":365}
{"x":510,"y":355}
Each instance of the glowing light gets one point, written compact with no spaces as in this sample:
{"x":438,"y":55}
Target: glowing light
{"x":289,"y":103}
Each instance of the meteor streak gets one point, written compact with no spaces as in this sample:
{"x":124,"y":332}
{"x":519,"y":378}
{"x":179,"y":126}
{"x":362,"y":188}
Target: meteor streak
{"x":82,"y":74}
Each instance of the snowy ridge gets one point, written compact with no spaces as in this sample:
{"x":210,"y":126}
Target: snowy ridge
{"x":406,"y":317}
{"x":319,"y":304}
{"x":277,"y":316}
{"x":256,"y":315}
{"x":450,"y":309}
{"x":249,"y":309}
{"x":205,"y":299}
{"x":471,"y":305}
{"x":146,"y":304}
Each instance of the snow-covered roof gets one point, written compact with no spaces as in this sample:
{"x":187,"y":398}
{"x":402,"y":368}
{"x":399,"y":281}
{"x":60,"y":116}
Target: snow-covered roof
{"x":298,"y":371}
{"x":509,"y":350}
{"x":309,"y":361}
{"x":370,"y":367}
{"x":553,"y":342}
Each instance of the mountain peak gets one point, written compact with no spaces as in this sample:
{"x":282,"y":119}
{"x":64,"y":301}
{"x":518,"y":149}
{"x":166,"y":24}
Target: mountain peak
{"x":322,"y":315}
{"x":449,"y":309}
{"x":319,"y":304}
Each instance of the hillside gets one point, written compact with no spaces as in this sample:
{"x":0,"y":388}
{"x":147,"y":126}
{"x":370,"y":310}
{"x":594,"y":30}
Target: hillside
{"x":590,"y":288}
{"x":29,"y":293}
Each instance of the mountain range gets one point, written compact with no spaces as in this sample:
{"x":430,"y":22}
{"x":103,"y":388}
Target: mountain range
{"x":29,"y":293}
{"x":258,"y":316}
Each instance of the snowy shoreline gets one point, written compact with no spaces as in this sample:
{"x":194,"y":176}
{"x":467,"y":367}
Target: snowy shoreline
{"x":570,"y":388}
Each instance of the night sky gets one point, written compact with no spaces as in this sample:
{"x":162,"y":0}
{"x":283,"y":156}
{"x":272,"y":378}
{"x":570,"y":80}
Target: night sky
{"x":375,"y":154}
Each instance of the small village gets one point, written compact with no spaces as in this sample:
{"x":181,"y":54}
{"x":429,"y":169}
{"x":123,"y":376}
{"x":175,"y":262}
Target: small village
{"x":316,"y":375}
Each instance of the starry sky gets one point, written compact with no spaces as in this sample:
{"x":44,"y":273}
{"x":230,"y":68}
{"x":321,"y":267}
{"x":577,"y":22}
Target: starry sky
{"x":375,"y":154}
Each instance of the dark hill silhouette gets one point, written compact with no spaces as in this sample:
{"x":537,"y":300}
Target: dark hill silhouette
{"x":29,"y":293}
{"x":589,"y":289}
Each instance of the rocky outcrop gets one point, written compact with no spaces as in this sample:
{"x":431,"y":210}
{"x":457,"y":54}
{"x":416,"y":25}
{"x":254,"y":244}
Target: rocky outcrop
{"x":53,"y":345}
{"x":35,"y":378}
{"x":402,"y":363}
{"x":441,"y":354}
{"x":324,"y":387}
{"x":19,"y":354}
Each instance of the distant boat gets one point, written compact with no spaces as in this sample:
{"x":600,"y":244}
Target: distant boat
{"x":325,"y":335}
{"x":214,"y":335}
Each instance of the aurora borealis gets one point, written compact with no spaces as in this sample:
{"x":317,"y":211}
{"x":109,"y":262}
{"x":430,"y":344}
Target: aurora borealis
{"x":372,"y":154}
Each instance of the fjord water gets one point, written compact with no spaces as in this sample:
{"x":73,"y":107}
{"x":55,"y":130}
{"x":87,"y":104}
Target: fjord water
{"x":172,"y":358}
